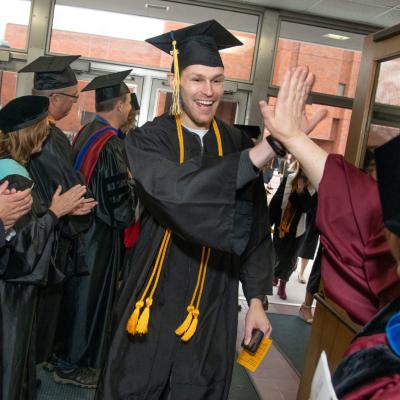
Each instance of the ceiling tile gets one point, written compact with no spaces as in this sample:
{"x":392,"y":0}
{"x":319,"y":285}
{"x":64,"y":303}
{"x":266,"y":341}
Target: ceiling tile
{"x":292,"y":5}
{"x":379,"y":3}
{"x":347,"y":10}
{"x":389,"y":19}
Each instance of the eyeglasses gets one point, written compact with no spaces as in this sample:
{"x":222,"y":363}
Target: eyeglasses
{"x":73,"y":96}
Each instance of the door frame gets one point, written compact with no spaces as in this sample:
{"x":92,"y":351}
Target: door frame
{"x":378,"y":47}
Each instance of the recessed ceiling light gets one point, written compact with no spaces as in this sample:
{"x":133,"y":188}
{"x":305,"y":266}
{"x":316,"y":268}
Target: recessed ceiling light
{"x":336,"y":37}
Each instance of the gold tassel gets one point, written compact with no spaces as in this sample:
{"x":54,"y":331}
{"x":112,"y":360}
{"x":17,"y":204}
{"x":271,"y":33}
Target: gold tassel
{"x":133,"y":320}
{"x":143,"y":324}
{"x":192,"y":328}
{"x":176,"y":103}
{"x":186,"y":323}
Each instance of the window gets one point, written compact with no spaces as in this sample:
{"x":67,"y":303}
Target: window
{"x":119,"y":37}
{"x":333,"y":56}
{"x":8,"y":86}
{"x":388,"y":86}
{"x":331,"y":134}
{"x":14,"y":21}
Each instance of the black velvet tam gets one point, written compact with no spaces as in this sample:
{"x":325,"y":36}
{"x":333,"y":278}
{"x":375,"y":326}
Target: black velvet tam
{"x":23,"y":112}
{"x":197,"y":44}
{"x":388,"y":170}
{"x":252,"y":131}
{"x":109,"y":86}
{"x":135,"y":102}
{"x":52,"y":72}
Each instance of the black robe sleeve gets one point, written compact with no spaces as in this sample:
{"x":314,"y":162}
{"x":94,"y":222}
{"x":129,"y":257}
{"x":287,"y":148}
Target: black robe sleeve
{"x":2,"y":234}
{"x":275,"y":210}
{"x":196,"y":199}
{"x":259,"y":257}
{"x":112,"y":187}
{"x":53,"y":166}
{"x":26,"y":256}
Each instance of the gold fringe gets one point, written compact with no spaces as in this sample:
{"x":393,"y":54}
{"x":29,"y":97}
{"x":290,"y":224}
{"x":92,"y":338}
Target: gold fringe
{"x":186,"y":323}
{"x":176,"y":101}
{"x":133,"y":320}
{"x":192,"y":328}
{"x":143,"y":324}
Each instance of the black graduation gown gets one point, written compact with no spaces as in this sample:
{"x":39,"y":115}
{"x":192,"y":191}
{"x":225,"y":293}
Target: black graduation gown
{"x":287,"y":247}
{"x":51,"y":167}
{"x":310,"y":238}
{"x":89,"y":299}
{"x":199,"y":201}
{"x":24,"y":266}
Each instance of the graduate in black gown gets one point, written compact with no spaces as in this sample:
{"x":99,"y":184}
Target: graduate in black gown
{"x":287,"y":208}
{"x":99,"y":155}
{"x":53,"y":166}
{"x":25,"y":260}
{"x":204,"y":227}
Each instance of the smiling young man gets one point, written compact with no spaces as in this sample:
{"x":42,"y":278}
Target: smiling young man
{"x":204,"y":227}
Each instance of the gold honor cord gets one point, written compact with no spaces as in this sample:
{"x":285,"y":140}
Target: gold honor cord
{"x":188,"y":327}
{"x":139,"y":320}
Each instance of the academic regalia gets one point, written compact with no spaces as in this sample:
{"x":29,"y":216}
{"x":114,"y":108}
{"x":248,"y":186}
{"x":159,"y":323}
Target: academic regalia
{"x":51,"y":167}
{"x":2,"y":234}
{"x":309,"y":242}
{"x":286,"y":247}
{"x":356,"y":256}
{"x":99,"y":154}
{"x":198,"y":200}
{"x":25,"y":264}
{"x":371,"y":366}
{"x":52,"y":72}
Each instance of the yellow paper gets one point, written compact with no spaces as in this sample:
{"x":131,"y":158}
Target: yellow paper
{"x":251,"y":361}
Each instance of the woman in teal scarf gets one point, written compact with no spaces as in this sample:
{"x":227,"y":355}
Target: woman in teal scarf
{"x":25,"y":260}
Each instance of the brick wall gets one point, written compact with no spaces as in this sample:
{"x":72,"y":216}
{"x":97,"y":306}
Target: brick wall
{"x":332,"y":67}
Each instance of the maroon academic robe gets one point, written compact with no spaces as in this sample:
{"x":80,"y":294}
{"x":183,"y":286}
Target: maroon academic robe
{"x":358,"y":271}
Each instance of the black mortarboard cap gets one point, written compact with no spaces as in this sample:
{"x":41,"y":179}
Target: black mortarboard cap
{"x":252,"y":131}
{"x":53,"y":72}
{"x":109,"y":86}
{"x":134,"y":102}
{"x":23,"y":112}
{"x":197,"y":44}
{"x":387,"y":159}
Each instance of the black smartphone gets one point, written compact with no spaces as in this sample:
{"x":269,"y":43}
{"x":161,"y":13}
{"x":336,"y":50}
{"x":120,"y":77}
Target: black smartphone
{"x":255,"y":341}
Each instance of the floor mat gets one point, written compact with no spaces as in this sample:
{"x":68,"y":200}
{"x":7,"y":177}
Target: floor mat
{"x":290,"y":335}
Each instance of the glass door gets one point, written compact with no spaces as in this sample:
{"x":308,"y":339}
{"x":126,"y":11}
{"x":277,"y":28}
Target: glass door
{"x":376,"y":110}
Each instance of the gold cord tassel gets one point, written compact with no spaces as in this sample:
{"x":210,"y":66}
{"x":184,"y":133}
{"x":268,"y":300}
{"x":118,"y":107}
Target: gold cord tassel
{"x":186,"y":323}
{"x":189,"y":326}
{"x":143,"y":324}
{"x":133,"y":320}
{"x":138,"y":323}
{"x":176,"y":102}
{"x":192,"y":328}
